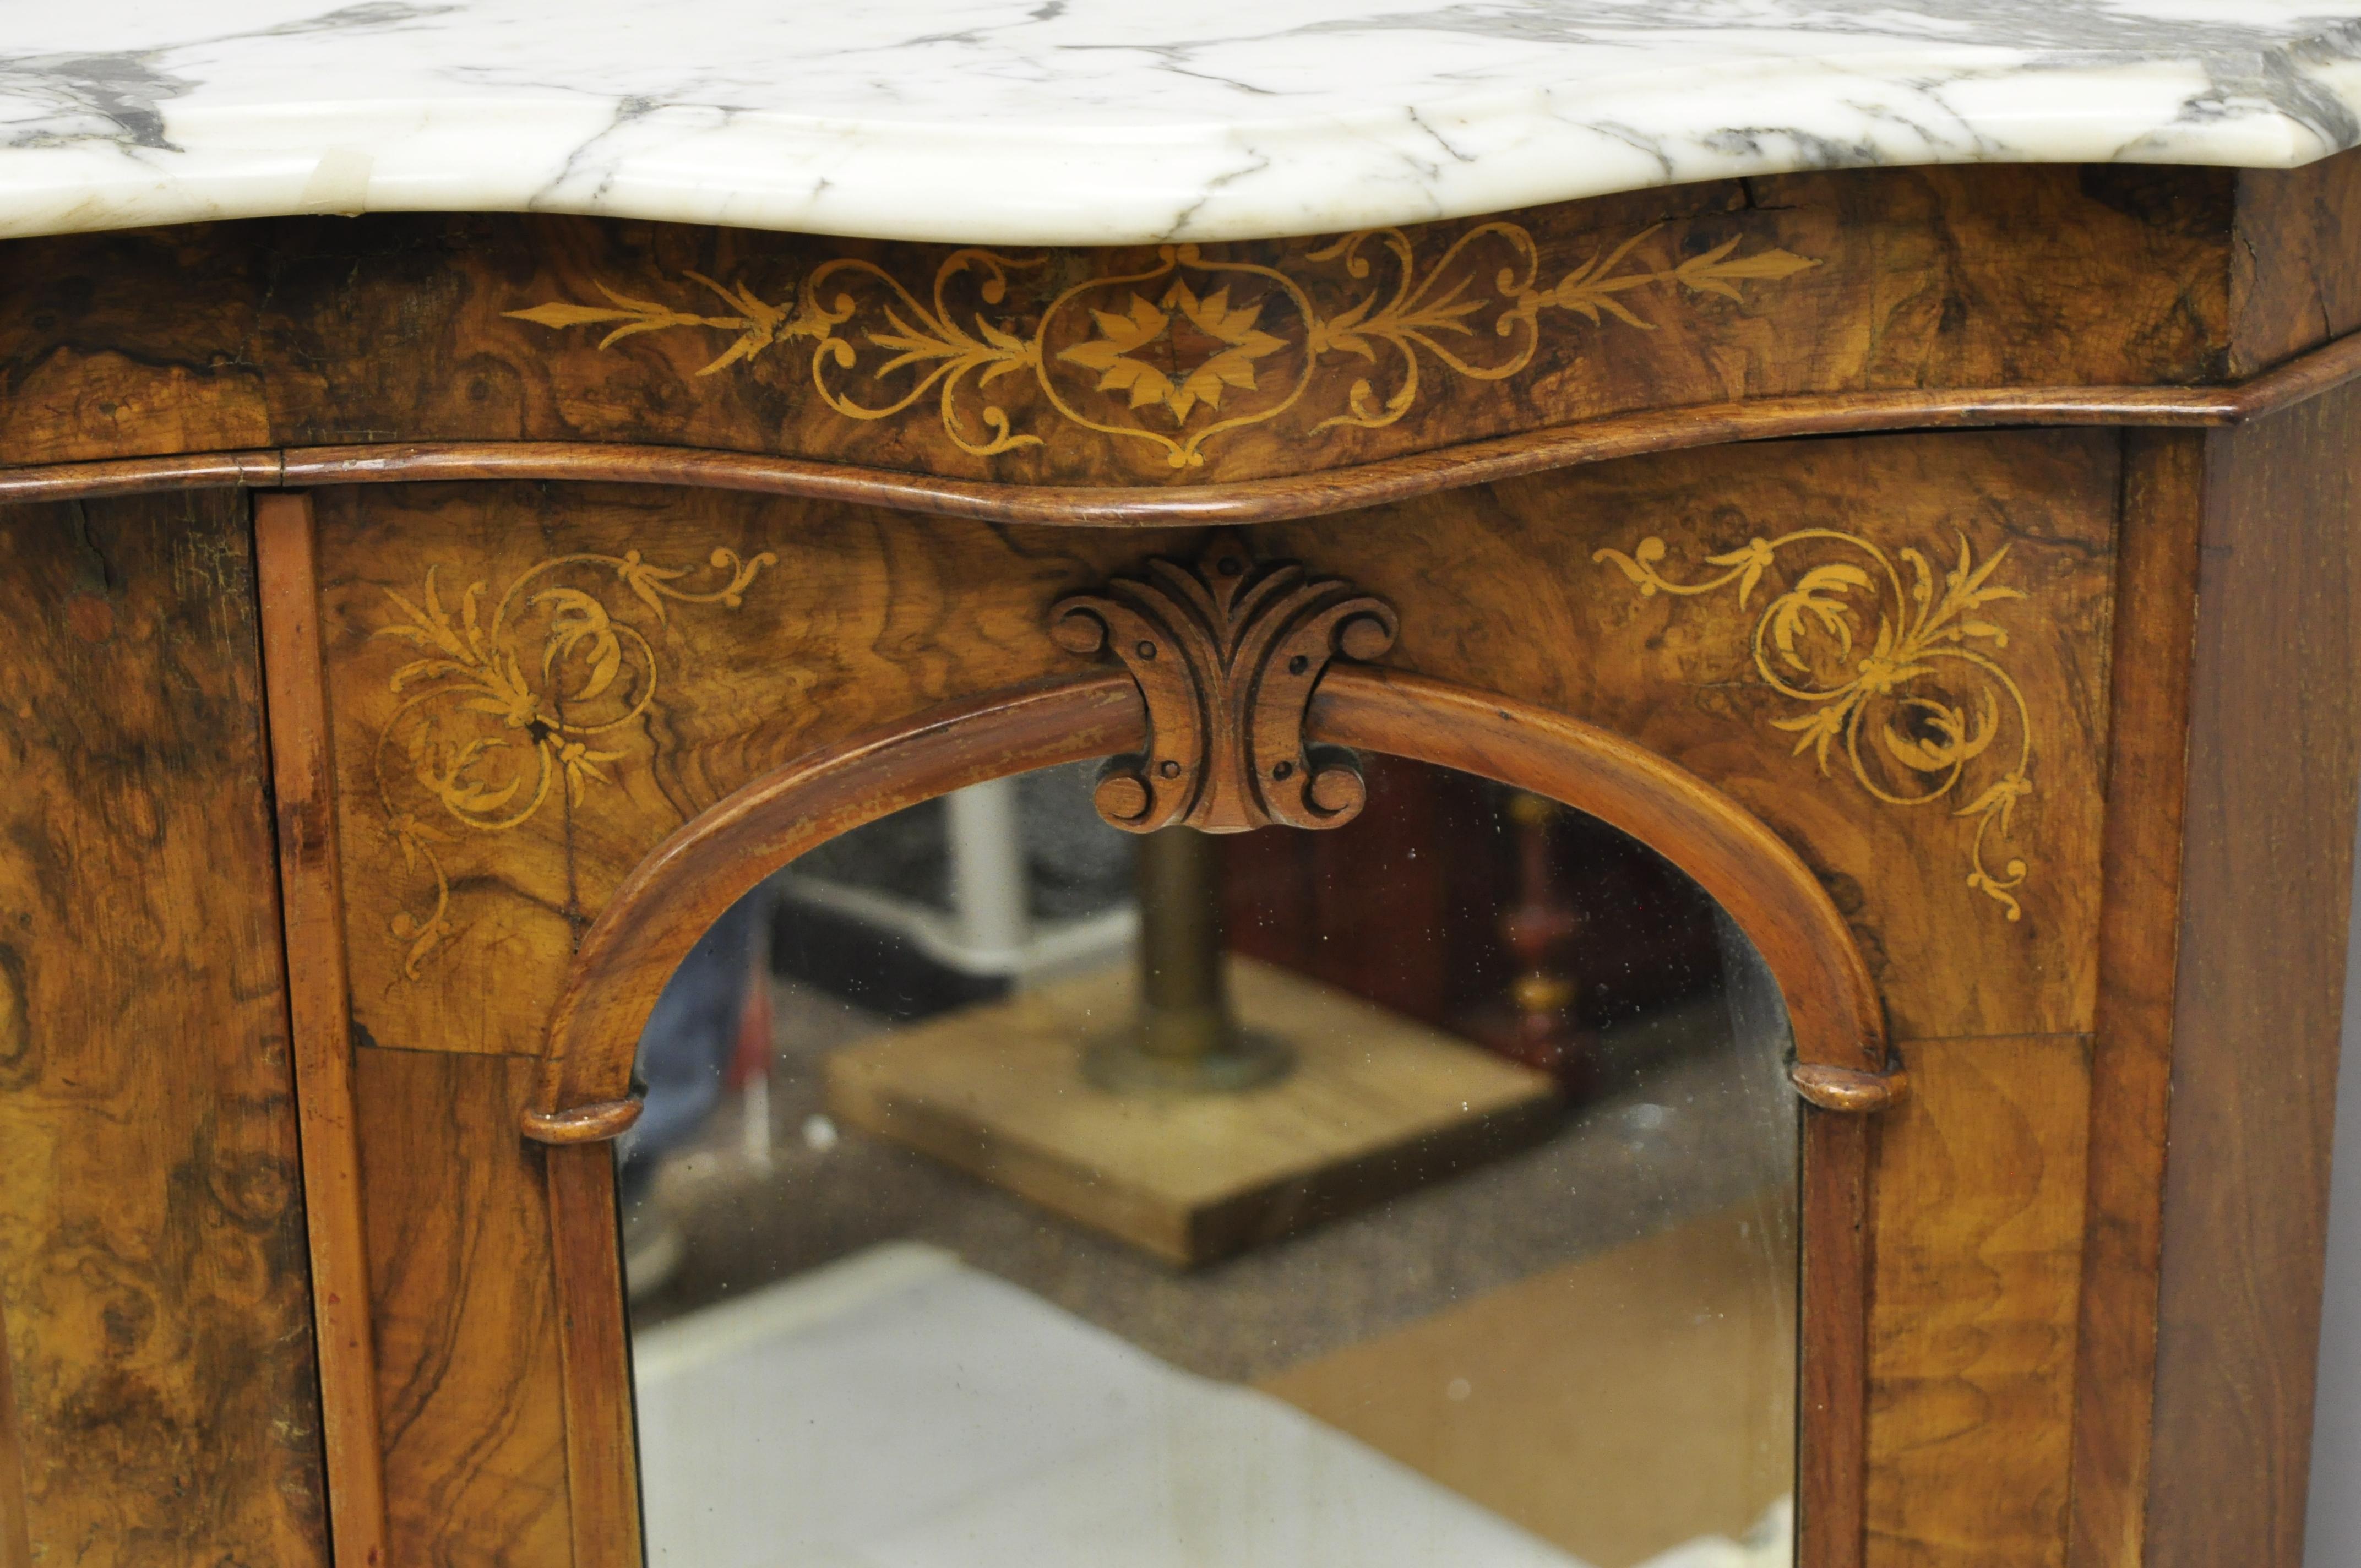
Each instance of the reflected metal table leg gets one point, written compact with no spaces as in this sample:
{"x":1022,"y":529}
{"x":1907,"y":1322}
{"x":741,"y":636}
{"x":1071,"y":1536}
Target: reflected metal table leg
{"x":1186,"y":1038}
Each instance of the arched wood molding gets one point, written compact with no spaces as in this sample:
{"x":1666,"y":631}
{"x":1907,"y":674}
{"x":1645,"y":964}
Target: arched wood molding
{"x":1843,"y":1067}
{"x":688,"y":880}
{"x":685,"y":884}
{"x":1254,"y":501}
{"x":1832,"y":1005}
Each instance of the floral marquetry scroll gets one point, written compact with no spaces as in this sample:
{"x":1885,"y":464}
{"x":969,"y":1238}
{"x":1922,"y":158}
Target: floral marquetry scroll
{"x":1182,"y":348}
{"x":516,"y":696}
{"x":1912,"y":665}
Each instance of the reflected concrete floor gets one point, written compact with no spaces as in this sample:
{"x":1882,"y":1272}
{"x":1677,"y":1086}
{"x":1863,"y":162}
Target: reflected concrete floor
{"x":1689,"y":1124}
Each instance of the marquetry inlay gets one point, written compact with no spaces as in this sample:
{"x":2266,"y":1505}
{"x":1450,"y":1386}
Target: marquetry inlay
{"x":511,"y":698}
{"x":1931,"y":631}
{"x":1183,"y":349}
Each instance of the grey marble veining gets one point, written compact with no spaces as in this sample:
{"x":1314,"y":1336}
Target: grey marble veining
{"x":1109,"y":121}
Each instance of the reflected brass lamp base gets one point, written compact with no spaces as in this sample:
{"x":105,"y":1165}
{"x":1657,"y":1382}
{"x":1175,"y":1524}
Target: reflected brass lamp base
{"x":1375,"y":1104}
{"x":1129,"y":1064}
{"x":1185,"y":1038}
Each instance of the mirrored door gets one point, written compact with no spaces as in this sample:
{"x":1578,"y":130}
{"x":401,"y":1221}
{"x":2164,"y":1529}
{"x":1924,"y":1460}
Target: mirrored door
{"x":1014,"y":1190}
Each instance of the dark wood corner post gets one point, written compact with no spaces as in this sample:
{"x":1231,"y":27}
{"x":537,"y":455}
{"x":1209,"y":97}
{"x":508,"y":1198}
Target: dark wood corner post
{"x":2242,"y":966}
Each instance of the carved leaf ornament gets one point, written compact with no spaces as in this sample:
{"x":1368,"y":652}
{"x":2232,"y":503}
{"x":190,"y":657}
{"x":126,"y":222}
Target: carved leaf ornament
{"x":1227,"y":652}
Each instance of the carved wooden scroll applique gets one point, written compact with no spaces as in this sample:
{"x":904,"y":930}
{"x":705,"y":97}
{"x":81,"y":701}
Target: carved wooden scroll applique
{"x":1226,"y":653}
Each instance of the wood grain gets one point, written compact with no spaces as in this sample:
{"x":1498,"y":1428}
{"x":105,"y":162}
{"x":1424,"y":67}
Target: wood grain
{"x":2267,"y":858}
{"x":473,"y":1400}
{"x":152,"y":1257}
{"x":2295,"y":271}
{"x":309,"y":332}
{"x":1510,"y":596}
{"x":602,"y":1475}
{"x":2138,"y":940}
{"x":1274,"y":500}
{"x":1978,"y":1211}
{"x":138,"y":476}
{"x":870,"y":617}
{"x":1311,"y":494}
{"x":107,"y":373}
{"x":15,"y":1529}
{"x":320,"y":1011}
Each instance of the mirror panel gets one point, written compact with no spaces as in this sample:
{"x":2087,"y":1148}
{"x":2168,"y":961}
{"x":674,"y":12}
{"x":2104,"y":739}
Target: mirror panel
{"x":1014,"y":1190}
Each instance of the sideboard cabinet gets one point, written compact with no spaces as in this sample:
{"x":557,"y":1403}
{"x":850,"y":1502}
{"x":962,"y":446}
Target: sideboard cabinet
{"x":421,"y":628}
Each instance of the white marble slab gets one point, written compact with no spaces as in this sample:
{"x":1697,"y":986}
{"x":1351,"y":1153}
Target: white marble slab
{"x":1108,"y":121}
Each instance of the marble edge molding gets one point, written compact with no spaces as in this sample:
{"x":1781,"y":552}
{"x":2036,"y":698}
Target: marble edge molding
{"x":953,"y":184}
{"x":1158,"y":144}
{"x":1274,"y":500}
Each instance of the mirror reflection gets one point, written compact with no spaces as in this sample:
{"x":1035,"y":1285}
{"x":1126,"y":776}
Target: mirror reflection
{"x":1013,"y":1189}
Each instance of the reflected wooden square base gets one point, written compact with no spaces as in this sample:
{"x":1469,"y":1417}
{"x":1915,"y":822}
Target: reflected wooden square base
{"x":1376,"y":1105}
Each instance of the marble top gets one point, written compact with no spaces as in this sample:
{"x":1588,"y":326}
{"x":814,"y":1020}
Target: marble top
{"x":1108,"y":121}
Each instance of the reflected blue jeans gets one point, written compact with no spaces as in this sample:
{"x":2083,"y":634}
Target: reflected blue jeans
{"x":685,"y":1050}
